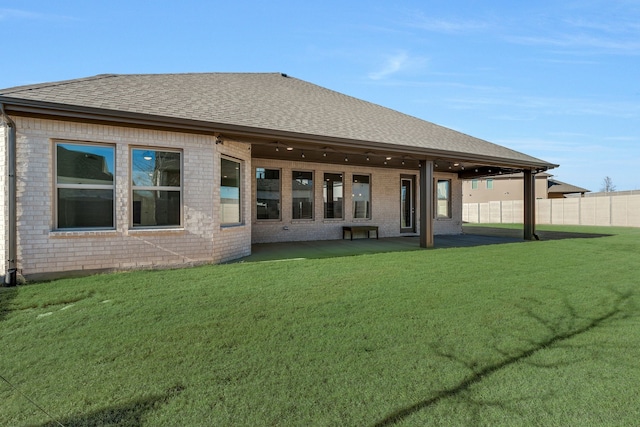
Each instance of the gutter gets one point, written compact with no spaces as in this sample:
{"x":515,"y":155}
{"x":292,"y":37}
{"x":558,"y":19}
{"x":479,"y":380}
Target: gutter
{"x":10,"y":278}
{"x":98,"y":115}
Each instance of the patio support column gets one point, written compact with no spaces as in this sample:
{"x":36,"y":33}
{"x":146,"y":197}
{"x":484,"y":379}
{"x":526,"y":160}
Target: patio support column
{"x":426,"y":203}
{"x":529,"y":205}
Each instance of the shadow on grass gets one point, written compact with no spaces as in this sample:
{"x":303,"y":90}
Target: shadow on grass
{"x":130,"y":414}
{"x":6,"y":296}
{"x":517,"y":233}
{"x":560,"y":330}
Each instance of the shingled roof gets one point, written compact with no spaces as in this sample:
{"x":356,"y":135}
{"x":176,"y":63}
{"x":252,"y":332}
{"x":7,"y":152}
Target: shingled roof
{"x":263,"y":104}
{"x":559,"y":187}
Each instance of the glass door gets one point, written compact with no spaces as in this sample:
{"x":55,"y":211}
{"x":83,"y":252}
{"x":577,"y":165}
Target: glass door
{"x":407,"y":202}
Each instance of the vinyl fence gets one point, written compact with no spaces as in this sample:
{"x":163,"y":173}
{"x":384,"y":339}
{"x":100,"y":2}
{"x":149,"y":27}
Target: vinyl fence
{"x":619,"y":210}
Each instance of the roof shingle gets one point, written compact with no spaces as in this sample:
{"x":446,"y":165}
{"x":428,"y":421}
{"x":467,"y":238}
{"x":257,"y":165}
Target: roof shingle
{"x":269,"y":101}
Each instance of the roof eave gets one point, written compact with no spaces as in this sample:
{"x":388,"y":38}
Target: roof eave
{"x":26,"y":107}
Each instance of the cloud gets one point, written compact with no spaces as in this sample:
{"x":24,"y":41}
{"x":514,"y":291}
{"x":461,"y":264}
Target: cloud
{"x":448,"y":26}
{"x":580,"y":41}
{"x":395,"y":64}
{"x":17,"y":14}
{"x":590,"y":32}
{"x":530,"y":107}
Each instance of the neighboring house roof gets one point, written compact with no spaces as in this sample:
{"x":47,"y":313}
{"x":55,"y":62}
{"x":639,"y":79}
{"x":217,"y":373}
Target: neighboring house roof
{"x":560,"y":187}
{"x":258,"y":104}
{"x":519,"y":175}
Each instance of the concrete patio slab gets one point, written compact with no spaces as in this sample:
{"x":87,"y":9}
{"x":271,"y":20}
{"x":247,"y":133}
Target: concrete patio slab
{"x":339,"y":248}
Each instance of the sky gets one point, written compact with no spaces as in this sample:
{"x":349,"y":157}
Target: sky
{"x":558,"y":80}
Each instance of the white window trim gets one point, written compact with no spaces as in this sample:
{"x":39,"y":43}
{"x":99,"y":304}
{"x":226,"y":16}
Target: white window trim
{"x":241,"y":196}
{"x":57,"y":186}
{"x":133,"y":188}
{"x":449,"y":200}
{"x":279,"y":219}
{"x":313,"y":195}
{"x":367,"y":218}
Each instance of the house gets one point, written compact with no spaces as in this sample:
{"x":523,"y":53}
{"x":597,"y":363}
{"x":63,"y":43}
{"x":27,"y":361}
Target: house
{"x":507,"y":187}
{"x":141,"y":171}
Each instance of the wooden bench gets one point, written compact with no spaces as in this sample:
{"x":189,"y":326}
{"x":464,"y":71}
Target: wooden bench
{"x":356,"y":228}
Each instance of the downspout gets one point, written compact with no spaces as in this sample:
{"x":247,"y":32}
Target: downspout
{"x":10,"y":278}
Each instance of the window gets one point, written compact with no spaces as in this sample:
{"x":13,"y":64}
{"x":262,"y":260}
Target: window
{"x":156,"y":188}
{"x":302,"y":199}
{"x":268,"y":193}
{"x":443,"y":205}
{"x":474,"y":184}
{"x":84,"y":186}
{"x":361,"y":196}
{"x":230,"y":212}
{"x":489,"y":184}
{"x":332,"y":194}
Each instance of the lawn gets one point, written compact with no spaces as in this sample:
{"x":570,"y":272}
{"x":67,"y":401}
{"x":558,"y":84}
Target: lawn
{"x":535,"y":333}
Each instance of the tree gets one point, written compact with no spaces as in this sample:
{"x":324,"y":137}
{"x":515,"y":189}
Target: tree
{"x":607,"y":185}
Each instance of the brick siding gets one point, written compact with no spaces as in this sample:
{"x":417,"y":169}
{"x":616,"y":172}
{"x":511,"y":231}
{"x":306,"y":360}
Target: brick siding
{"x":385,"y":203}
{"x":42,"y":249}
{"x":3,"y":200}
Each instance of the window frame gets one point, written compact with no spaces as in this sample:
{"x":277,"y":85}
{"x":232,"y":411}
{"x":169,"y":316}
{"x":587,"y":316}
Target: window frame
{"x":325,"y":194}
{"x":280,"y":175}
{"x":58,"y":186}
{"x":240,"y":192}
{"x":353,"y":202}
{"x":133,"y":188}
{"x":437,"y":215}
{"x":489,"y":183}
{"x":312,"y":198}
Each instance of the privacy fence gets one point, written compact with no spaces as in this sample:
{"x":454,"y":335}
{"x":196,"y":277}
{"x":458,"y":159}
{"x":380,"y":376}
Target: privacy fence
{"x":618,"y":210}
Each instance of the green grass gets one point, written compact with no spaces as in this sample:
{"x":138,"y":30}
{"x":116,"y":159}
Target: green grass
{"x":539,"y":333}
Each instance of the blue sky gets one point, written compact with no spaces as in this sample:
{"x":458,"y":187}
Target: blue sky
{"x":559,"y":80}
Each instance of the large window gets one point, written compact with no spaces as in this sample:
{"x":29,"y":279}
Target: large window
{"x":361,"y":196}
{"x":332,"y":195}
{"x":443,"y":205}
{"x":84,"y":186}
{"x":489,"y":184}
{"x":302,"y":200}
{"x":268,"y":193}
{"x":230,"y":212}
{"x":156,"y":188}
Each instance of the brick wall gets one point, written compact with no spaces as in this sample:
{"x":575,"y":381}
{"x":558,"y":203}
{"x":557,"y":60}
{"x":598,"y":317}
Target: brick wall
{"x":385,"y":203}
{"x":42,"y":249}
{"x":3,"y":200}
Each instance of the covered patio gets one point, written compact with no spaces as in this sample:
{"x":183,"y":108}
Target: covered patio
{"x":472,"y":236}
{"x":338,"y":248}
